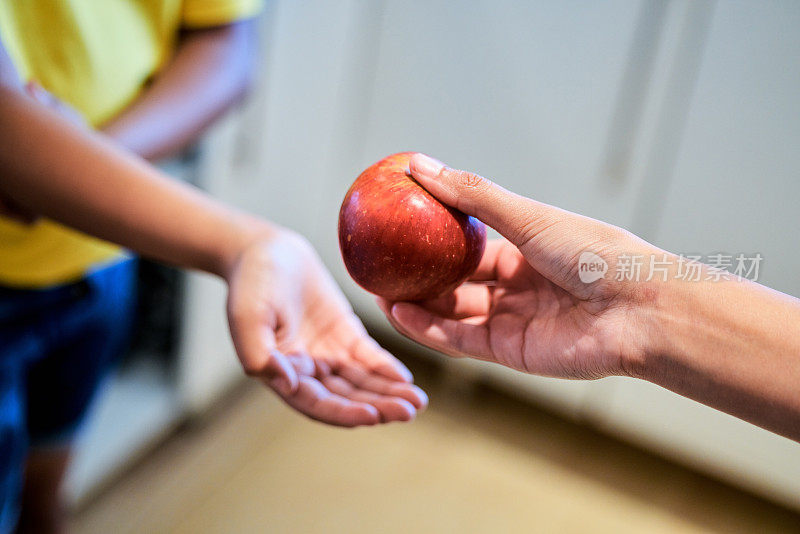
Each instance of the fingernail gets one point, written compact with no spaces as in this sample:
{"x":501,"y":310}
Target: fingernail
{"x":427,"y":166}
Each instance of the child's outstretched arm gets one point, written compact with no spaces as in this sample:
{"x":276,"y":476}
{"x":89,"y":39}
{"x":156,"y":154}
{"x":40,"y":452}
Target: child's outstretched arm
{"x":291,"y":326}
{"x":210,"y":71}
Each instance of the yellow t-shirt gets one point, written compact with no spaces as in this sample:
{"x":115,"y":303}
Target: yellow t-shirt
{"x":96,"y":56}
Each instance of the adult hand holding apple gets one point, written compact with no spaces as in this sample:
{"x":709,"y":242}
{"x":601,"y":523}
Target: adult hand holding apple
{"x":723,"y":341}
{"x":525,"y":306}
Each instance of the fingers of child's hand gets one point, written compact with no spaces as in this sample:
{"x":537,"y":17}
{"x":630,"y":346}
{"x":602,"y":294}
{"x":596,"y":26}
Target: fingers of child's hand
{"x":367,"y":351}
{"x":276,"y":370}
{"x":303,"y":363}
{"x":390,"y":408}
{"x":316,"y":401}
{"x":255,"y":343}
{"x":364,"y":380}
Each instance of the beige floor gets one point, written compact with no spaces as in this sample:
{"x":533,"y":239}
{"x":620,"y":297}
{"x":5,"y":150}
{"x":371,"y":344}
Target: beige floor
{"x":477,"y":462}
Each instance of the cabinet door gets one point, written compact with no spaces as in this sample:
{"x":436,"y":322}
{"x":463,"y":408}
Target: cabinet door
{"x":522,"y":92}
{"x":735,"y":188}
{"x":736,"y":181}
{"x":277,"y":164}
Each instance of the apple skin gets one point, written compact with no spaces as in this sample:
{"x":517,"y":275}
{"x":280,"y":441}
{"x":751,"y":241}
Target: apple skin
{"x":401,"y":243}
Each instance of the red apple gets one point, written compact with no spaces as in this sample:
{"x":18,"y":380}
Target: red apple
{"x":399,"y":242}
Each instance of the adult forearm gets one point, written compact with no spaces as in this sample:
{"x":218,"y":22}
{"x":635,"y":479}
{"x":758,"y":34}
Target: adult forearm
{"x":83,"y":180}
{"x":733,"y":345}
{"x":210,"y":72}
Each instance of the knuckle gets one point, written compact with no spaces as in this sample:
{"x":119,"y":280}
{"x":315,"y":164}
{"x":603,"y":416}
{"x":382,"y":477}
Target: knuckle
{"x":470,"y":180}
{"x":530,"y":228}
{"x":471,"y":190}
{"x":525,"y":232}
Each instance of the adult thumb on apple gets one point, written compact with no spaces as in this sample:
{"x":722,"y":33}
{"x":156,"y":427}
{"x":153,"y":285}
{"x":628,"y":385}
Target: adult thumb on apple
{"x":517,"y":218}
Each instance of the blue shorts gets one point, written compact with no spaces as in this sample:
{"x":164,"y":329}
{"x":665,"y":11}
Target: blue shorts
{"x":56,"y":345}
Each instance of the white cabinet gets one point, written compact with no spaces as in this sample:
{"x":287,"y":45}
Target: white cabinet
{"x":735,"y":188}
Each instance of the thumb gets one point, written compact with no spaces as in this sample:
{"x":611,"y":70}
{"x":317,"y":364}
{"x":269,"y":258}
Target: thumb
{"x":256,"y":347}
{"x":517,"y":218}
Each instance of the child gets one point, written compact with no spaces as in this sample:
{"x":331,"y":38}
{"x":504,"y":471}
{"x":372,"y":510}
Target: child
{"x":150,"y":76}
